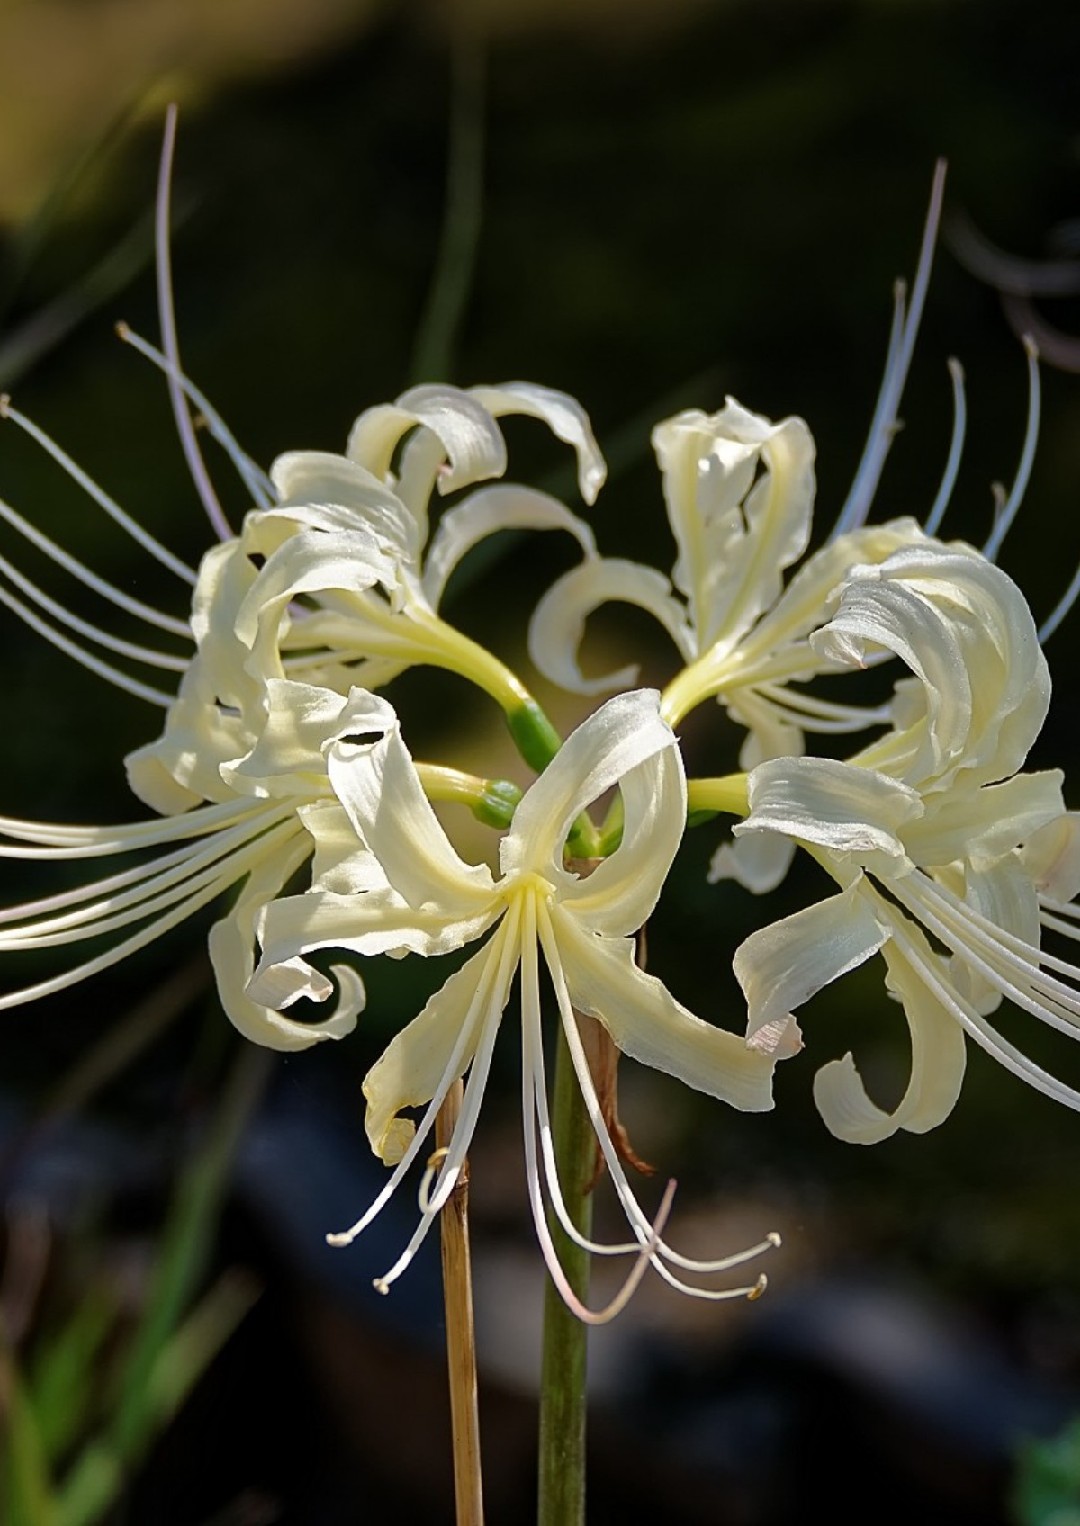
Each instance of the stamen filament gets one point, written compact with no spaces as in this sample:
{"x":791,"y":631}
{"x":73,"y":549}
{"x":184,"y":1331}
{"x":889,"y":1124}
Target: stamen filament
{"x":143,"y":537}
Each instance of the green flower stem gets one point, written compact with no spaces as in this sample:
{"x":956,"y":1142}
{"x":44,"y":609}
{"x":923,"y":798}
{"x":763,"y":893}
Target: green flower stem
{"x":561,"y":1482}
{"x":492,"y":801}
{"x":727,"y":795}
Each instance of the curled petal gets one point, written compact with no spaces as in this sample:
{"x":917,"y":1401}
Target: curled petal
{"x":964,"y":629}
{"x":621,"y":892}
{"x":380,"y":789}
{"x":938,"y":1058}
{"x":563,"y":415}
{"x":557,"y":628}
{"x":302,"y":722}
{"x":503,"y":507}
{"x":329,"y":492}
{"x":232,"y":945}
{"x":469,"y":436}
{"x":623,"y":733}
{"x":736,"y":531}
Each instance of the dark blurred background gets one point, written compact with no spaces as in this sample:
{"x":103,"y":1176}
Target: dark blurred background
{"x":680,"y":202}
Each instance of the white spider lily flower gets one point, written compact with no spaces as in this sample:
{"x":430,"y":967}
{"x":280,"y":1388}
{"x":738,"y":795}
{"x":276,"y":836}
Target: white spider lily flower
{"x":251,"y":830}
{"x":447,"y":439}
{"x":949,"y":860}
{"x":739,"y":492}
{"x":583,"y":925}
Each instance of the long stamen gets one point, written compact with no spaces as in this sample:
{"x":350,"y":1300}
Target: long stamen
{"x":1003,"y":520}
{"x":134,"y":888}
{"x":454,"y":1067}
{"x":883,"y":426}
{"x":251,"y":474}
{"x":54,"y":840}
{"x":136,"y":652}
{"x":1044,"y":997}
{"x":230,"y":872}
{"x":143,"y":537}
{"x":638,"y":1220}
{"x":80,"y":655}
{"x":167,"y":318}
{"x":977,"y":1028}
{"x":499,"y":972}
{"x":534,"y":1110}
{"x":146,"y":899}
{"x":956,"y":448}
{"x":90,"y":579}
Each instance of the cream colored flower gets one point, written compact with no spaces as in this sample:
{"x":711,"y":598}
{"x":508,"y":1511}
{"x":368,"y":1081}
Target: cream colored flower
{"x":251,"y":831}
{"x":949,"y":859}
{"x":434,"y":902}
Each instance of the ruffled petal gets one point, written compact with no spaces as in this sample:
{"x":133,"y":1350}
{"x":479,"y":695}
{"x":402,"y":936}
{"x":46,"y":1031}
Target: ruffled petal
{"x":329,"y":492}
{"x":505,"y":507}
{"x":781,"y":966}
{"x":735,"y":534}
{"x":557,"y":628}
{"x":938,"y":1058}
{"x":302,"y":722}
{"x":648,"y":1024}
{"x":623,"y":733}
{"x":853,"y":813}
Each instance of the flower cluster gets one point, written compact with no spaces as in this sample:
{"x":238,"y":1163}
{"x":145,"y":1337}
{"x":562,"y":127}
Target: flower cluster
{"x":281,"y":773}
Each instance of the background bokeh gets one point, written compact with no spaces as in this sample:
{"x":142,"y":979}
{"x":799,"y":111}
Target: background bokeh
{"x":679,"y":202}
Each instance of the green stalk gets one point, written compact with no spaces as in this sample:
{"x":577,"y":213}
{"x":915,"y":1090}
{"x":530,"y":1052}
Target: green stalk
{"x":561,"y":1481}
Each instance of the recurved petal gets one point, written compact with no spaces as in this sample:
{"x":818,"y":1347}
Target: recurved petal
{"x":563,"y":415}
{"x":624,"y":732}
{"x":471,"y":439}
{"x":648,"y":1024}
{"x":735,"y":534}
{"x":619,"y":894}
{"x":289,"y":757}
{"x":851,"y":811}
{"x":938,"y":1058}
{"x":232,"y":954}
{"x":330,"y":492}
{"x":312,"y":562}
{"x":415,"y":1062}
{"x":781,"y":966}
{"x":557,"y":628}
{"x":380,"y":789}
{"x":503,"y":507}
